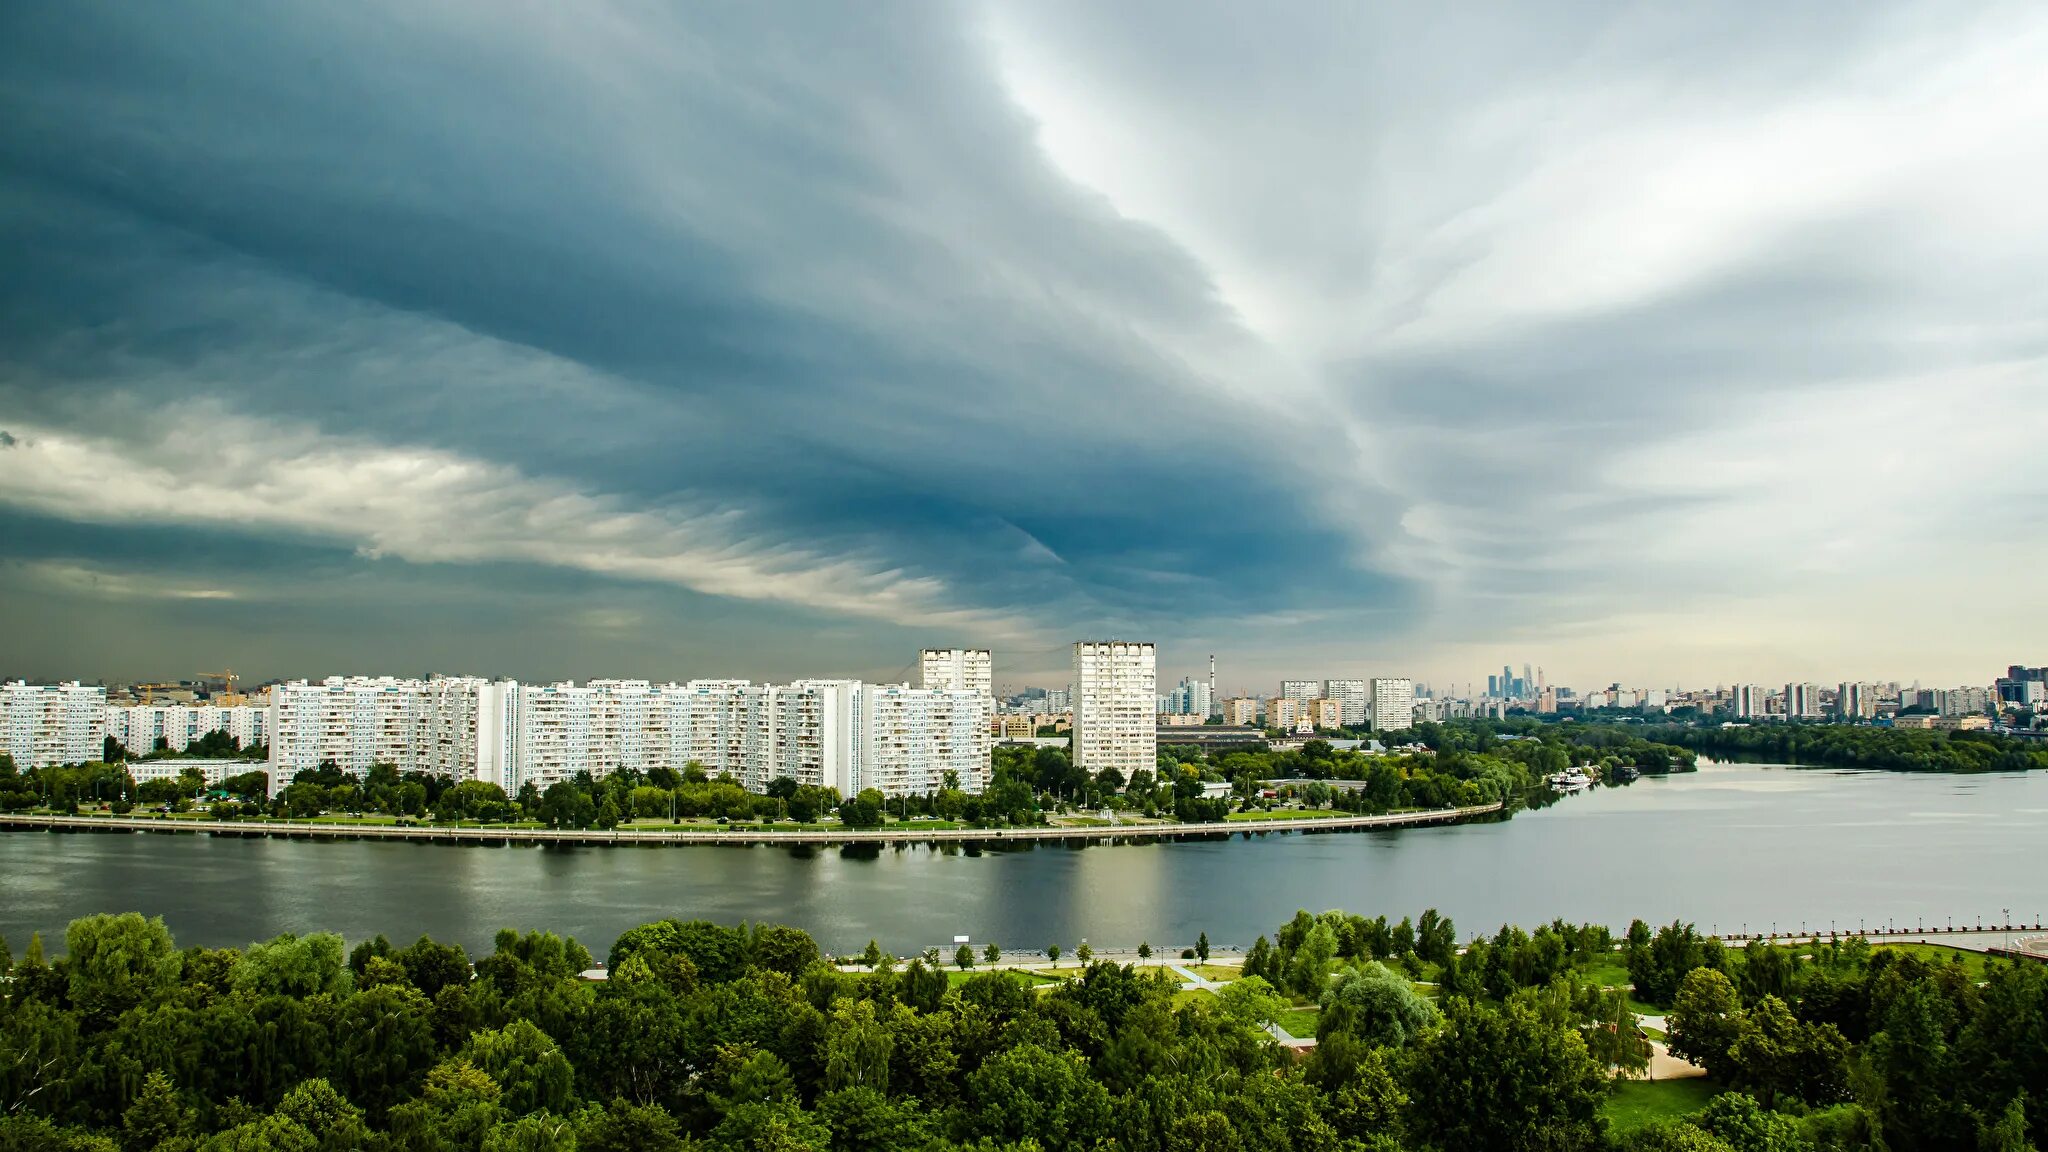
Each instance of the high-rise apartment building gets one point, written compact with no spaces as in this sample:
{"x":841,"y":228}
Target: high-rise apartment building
{"x":1300,"y":689}
{"x":1393,"y":704}
{"x":909,"y":740}
{"x":1324,"y":713}
{"x":44,"y":724}
{"x":1114,"y":725}
{"x":1283,"y":712}
{"x":1354,"y":697}
{"x":1802,"y":702}
{"x":958,"y":670}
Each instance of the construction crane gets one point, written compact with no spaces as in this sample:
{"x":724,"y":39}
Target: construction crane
{"x":149,"y":691}
{"x":226,"y":677}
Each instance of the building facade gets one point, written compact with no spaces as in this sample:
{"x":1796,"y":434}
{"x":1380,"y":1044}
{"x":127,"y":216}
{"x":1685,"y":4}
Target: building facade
{"x":1241,"y":712}
{"x":45,"y":724}
{"x":1393,"y":704}
{"x":1324,"y":713}
{"x":1114,"y":686}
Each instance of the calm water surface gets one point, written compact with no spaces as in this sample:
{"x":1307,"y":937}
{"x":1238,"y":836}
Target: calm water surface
{"x":1728,"y":846}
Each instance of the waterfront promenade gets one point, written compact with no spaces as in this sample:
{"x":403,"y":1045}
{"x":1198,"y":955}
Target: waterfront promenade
{"x":307,"y":830}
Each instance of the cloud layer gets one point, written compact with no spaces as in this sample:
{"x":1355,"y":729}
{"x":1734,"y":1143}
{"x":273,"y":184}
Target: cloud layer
{"x":1637,"y":344}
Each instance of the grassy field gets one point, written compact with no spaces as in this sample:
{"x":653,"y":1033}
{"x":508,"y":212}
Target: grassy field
{"x":1283,"y":814}
{"x":1639,"y":1103}
{"x":1299,"y":1023}
{"x":1605,"y":973}
{"x":1215,"y":971}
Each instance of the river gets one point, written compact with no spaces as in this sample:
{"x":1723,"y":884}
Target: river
{"x":1730,"y":847}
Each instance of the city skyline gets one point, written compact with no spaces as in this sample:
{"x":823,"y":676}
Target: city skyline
{"x":1673,"y":352}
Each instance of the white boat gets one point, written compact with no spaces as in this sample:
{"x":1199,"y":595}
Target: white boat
{"x":1571,"y":780}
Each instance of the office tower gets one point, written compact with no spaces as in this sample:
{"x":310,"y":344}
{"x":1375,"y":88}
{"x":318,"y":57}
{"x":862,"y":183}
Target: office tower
{"x":1801,"y":702}
{"x":45,"y":724}
{"x":1492,"y":687}
{"x":1353,"y":697}
{"x":1114,"y":724}
{"x":1393,"y":704}
{"x":1191,"y":698}
{"x":958,"y":670}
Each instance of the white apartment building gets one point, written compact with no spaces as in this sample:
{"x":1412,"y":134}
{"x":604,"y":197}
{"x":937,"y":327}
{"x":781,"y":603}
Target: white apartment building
{"x":1115,"y":682}
{"x":1749,"y":702}
{"x":958,"y":670}
{"x":908,"y":740}
{"x":1353,"y":697}
{"x":1300,"y":689}
{"x":1393,"y":704}
{"x":140,"y":726}
{"x":351,"y":722}
{"x":1802,"y":702}
{"x":44,"y":724}
{"x":1855,"y":701}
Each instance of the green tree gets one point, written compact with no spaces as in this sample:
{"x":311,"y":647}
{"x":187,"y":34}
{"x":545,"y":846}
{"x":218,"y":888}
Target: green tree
{"x":529,"y":1068}
{"x":157,"y":1117}
{"x":990,"y":954}
{"x":1705,"y":1017}
{"x":540,"y":1132}
{"x":1775,"y":1053}
{"x":1376,"y":1006}
{"x":1506,"y":1080}
{"x":1310,"y":969}
{"x":857,"y":1048}
{"x":1144,"y":950}
{"x":1030,"y":1092}
{"x":963,"y":957}
{"x":116,"y":962}
{"x":1202,"y":947}
{"x":296,"y":966}
{"x":1252,"y":1001}
{"x":1052,"y":953}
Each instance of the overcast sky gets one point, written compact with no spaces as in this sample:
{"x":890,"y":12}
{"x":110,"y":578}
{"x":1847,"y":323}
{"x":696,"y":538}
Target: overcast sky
{"x":1654,"y":344}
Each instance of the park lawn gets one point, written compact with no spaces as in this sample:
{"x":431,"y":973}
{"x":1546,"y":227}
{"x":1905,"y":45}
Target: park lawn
{"x":957,"y":977}
{"x":1639,"y":1103}
{"x":1299,"y":1023}
{"x":1219,"y":972}
{"x":1281,"y":814}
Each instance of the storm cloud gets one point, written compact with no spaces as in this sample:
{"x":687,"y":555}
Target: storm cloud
{"x":772,"y":340}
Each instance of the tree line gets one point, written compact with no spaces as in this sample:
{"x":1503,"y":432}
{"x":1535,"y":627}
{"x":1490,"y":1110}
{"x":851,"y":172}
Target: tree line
{"x":1859,"y":746}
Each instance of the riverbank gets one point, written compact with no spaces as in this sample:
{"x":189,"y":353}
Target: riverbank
{"x":1120,"y":833}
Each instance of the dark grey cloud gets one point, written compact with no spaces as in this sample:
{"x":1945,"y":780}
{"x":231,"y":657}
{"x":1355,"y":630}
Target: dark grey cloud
{"x":1381,"y":331}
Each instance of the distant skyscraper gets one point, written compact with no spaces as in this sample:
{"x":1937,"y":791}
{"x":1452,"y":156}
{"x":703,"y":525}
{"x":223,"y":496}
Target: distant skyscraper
{"x":1115,"y":725}
{"x":1393,"y":704}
